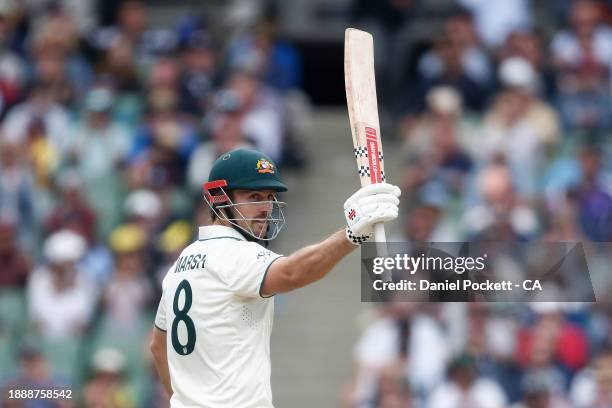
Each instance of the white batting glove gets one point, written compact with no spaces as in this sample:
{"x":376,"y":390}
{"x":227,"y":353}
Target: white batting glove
{"x":370,"y":205}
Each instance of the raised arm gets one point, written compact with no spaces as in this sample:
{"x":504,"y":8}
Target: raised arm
{"x":306,"y":265}
{"x":368,"y":206}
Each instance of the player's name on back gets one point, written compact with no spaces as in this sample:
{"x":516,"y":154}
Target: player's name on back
{"x":188,"y":262}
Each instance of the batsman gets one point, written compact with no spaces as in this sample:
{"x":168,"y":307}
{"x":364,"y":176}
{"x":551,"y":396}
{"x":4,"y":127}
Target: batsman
{"x":211,"y":340}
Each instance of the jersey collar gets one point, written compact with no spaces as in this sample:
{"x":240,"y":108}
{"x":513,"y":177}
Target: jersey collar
{"x":218,"y":231}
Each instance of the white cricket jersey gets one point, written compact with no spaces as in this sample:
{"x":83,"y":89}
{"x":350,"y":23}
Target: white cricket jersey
{"x":217,"y":324}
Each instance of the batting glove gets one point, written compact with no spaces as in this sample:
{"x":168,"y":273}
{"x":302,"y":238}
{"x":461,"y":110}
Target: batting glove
{"x":370,"y":205}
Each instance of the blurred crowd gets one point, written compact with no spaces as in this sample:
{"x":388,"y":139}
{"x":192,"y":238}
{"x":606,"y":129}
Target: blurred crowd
{"x":455,"y":355}
{"x":506,"y":126}
{"x":109,"y":125}
{"x":108,"y":128}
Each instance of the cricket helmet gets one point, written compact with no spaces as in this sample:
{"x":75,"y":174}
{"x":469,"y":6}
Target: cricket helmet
{"x":245,"y":169}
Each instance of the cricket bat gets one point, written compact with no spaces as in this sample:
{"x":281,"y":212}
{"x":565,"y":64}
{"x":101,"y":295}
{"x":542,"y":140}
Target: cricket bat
{"x":362,"y":106}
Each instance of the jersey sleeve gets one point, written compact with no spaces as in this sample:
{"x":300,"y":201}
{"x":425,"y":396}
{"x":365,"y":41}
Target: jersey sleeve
{"x":251,"y":267}
{"x":160,"y":316}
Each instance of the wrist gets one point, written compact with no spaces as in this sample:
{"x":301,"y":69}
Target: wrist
{"x":355,"y":239}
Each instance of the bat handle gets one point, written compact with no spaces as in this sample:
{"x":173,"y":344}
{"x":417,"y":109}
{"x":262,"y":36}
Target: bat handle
{"x":380,"y":236}
{"x":381,"y":247}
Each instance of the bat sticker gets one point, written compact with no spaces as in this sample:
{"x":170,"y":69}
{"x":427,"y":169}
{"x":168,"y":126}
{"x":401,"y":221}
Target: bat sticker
{"x":373,"y":154}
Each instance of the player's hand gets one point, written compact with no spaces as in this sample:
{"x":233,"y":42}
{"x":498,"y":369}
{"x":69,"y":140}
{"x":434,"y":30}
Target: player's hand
{"x":370,"y":205}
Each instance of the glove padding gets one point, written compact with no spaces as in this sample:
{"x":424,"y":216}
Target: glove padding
{"x":372,"y":204}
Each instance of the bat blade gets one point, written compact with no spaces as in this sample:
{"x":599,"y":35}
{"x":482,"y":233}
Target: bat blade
{"x":360,"y":84}
{"x":362,"y":105}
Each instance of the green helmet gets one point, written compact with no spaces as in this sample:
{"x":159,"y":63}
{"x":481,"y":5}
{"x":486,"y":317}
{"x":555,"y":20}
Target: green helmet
{"x":246,"y":169}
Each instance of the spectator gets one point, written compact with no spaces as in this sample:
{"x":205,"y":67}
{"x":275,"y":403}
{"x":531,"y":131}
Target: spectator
{"x":460,"y":32}
{"x":378,"y":346}
{"x":275,"y":61}
{"x":90,"y":221}
{"x":226,"y":135}
{"x":34,"y":374}
{"x":529,"y":45}
{"x":444,"y":65}
{"x":497,"y":18}
{"x":74,"y":213}
{"x":117,"y":63}
{"x":12,"y":66}
{"x":41,"y":122}
{"x":593,"y":199}
{"x":171,"y":243}
{"x":132,"y":29}
{"x":199,"y":56}
{"x":145,"y":209}
{"x":128,"y":292}
{"x":164,"y":74}
{"x":14,"y":266}
{"x":165,"y":142}
{"x":404,"y":336}
{"x":520,"y":126}
{"x":563,"y":221}
{"x":17,"y":194}
{"x":587,"y":43}
{"x":393,"y":389}
{"x":592,"y":387}
{"x":107,"y":386}
{"x":98,"y":143}
{"x":537,"y":393}
{"x":421,"y":223}
{"x":501,"y":215}
{"x":262,"y":113}
{"x":518,"y":74}
{"x":551,"y":345}
{"x":99,"y":146}
{"x":491,"y":340}
{"x":465,"y":388}
{"x":61,"y":298}
{"x":579,"y":196}
{"x":386,"y":20}
{"x":582,"y":56}
{"x":434,"y":146}
{"x":55,"y":56}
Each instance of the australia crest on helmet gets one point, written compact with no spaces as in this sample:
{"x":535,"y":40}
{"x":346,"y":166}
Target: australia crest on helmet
{"x":264,"y":166}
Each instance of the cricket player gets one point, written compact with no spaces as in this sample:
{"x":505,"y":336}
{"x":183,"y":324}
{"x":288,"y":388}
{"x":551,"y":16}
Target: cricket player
{"x":211,"y":340}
